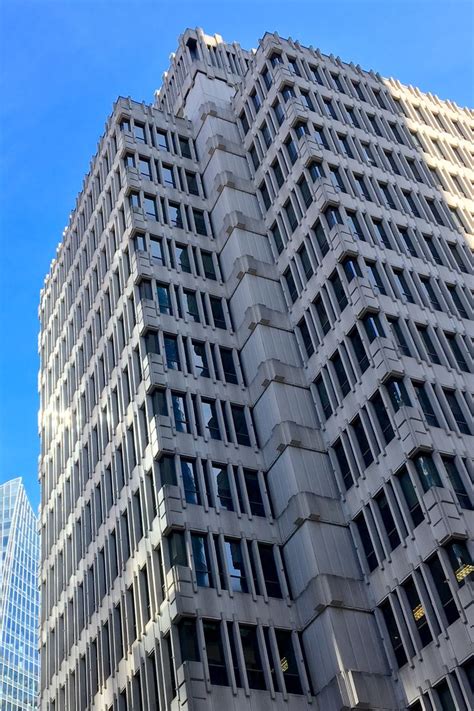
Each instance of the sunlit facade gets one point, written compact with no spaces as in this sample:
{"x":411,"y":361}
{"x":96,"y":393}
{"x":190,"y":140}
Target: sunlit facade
{"x":19,"y":599}
{"x":256,"y":396}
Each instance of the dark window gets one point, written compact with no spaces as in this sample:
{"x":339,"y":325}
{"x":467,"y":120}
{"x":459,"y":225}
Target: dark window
{"x":164,"y":299}
{"x":211,"y":423}
{"x":160,"y":407}
{"x":240,"y":425}
{"x":383,"y":418}
{"x":235,"y":566}
{"x":291,"y":215}
{"x":252,"y":660}
{"x":373,"y":327}
{"x":402,"y":285}
{"x":306,"y":338}
{"x":427,"y":471}
{"x":359,"y":350}
{"x":188,"y":640}
{"x":322,"y":315}
{"x":199,"y":222}
{"x":457,"y":483}
{"x":444,"y":696}
{"x":341,"y":374}
{"x":460,"y":559}
{"x":217,"y":312}
{"x":321,"y":240}
{"x":182,"y":258}
{"x":215,"y":653}
{"x":253,"y":492}
{"x":333,"y":217}
{"x":172,"y":352}
{"x":397,"y":393}
{"x":367,"y":544}
{"x":362,"y":441}
{"x":202,"y":566}
{"x":400,"y":337}
{"x":457,"y":353}
{"x":228,"y":365}
{"x":287,"y":661}
{"x":190,"y":481}
{"x":426,"y":405}
{"x":323,"y":396}
{"x":388,"y":520}
{"x":393,"y":633}
{"x":180,"y":412}
{"x":291,"y":286}
{"x":417,"y":611}
{"x":411,"y":497}
{"x":270,"y":573}
{"x":222,"y":484}
{"x":443,"y":589}
{"x":344,"y":467}
{"x":457,"y":412}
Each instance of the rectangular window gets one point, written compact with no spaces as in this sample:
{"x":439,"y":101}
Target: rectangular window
{"x":215,"y":653}
{"x":164,"y":299}
{"x":190,"y":481}
{"x":180,"y":412}
{"x":323,"y":397}
{"x":235,"y":565}
{"x":188,"y":640}
{"x":202,"y":565}
{"x":417,"y":611}
{"x":270,"y":572}
{"x":367,"y":544}
{"x":457,"y":483}
{"x":287,"y":661}
{"x":222,"y":485}
{"x":427,"y":471}
{"x":252,"y":659}
{"x":199,"y":357}
{"x":387,"y":520}
{"x":253,"y":492}
{"x":393,"y":633}
{"x":443,"y":588}
{"x":402,"y":286}
{"x":172,"y":353}
{"x":240,"y":425}
{"x":211,"y":423}
{"x":363,"y":442}
{"x":457,"y":412}
{"x":228,"y":365}
{"x":426,"y":405}
{"x":410,"y":496}
{"x":217,"y":312}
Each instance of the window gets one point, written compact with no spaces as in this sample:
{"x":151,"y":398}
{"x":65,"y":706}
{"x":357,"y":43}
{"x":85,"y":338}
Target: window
{"x":333,"y":216}
{"x":240,"y":425}
{"x":430,"y":293}
{"x":366,"y":541}
{"x":291,"y":215}
{"x":352,"y":117}
{"x":387,"y":520}
{"x":199,"y":222}
{"x":457,"y":483}
{"x":445,"y":697}
{"x":235,"y":565}
{"x":383,"y":418}
{"x":184,"y":147}
{"x":323,"y":397}
{"x":359,"y":350}
{"x":290,"y":284}
{"x":139,"y":132}
{"x":152,"y":344}
{"x":427,"y":471}
{"x":381,"y":234}
{"x":252,"y":659}
{"x":301,"y":129}
{"x":316,"y":170}
{"x":253,"y":492}
{"x":368,"y":155}
{"x":322,"y":315}
{"x":361,"y":187}
{"x":279,"y":113}
{"x":306,"y":338}
{"x":156,"y":249}
{"x":336,"y":179}
{"x":172,"y":353}
{"x":266,"y":135}
{"x":217,"y":312}
{"x":411,"y":203}
{"x":277,"y":238}
{"x":192,"y":183}
{"x":344,"y":467}
{"x":277,"y":172}
{"x":387,"y":195}
{"x":159,"y":403}
{"x":288,"y":92}
{"x":417,"y":611}
{"x":426,"y":406}
{"x":182,"y":258}
{"x":190,"y":481}
{"x":443,"y":588}
{"x":362,"y":441}
{"x":457,"y":412}
{"x":410,"y":496}
{"x":202,"y":565}
{"x":287,"y":661}
{"x":320,"y":137}
{"x":321,"y":240}
{"x":180,"y":412}
{"x":199,"y":358}
{"x":397,"y":393}
{"x":151,"y":210}
{"x":306,"y":100}
{"x":211,"y":422}
{"x":354,"y":225}
{"x":402,"y":285}
{"x":339,"y":291}
{"x":457,"y":301}
{"x":305,"y":262}
{"x":375,"y":279}
{"x":346,"y":149}
{"x":215,"y":653}
{"x":269,"y":569}
{"x":293,"y":67}
{"x":305,"y":191}
{"x":351,"y":268}
{"x":168,"y":175}
{"x":228,"y":365}
{"x":399,"y":337}
{"x":407,"y":242}
{"x":162,"y":140}
{"x":208,"y":265}
{"x":255,"y":100}
{"x":188,"y":640}
{"x":460,"y":559}
{"x":330,"y":110}
{"x":164,"y":299}
{"x":174,"y":212}
{"x":134,"y":199}
{"x":191,"y":305}
{"x":373,"y":327}
{"x":265,"y":195}
{"x":222,"y":484}
{"x":393,"y":633}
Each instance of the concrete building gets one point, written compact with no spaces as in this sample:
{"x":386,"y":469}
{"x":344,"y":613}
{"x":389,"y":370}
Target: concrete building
{"x":256,"y":396}
{"x":19,"y":599}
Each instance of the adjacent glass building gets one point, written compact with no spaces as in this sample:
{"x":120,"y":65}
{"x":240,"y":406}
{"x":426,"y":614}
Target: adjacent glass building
{"x":19,"y":599}
{"x":256,"y":397}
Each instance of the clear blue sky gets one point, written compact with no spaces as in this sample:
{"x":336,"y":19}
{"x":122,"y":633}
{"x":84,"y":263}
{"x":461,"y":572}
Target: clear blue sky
{"x":62,"y":65}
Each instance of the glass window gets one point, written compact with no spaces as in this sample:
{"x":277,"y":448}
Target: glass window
{"x":323,"y":397}
{"x":397,"y":393}
{"x":199,"y":357}
{"x":457,"y":412}
{"x":156,"y":249}
{"x":393,"y":633}
{"x":373,"y":327}
{"x":182,"y":258}
{"x":426,"y":405}
{"x":184,"y":146}
{"x":150,"y":207}
{"x":270,"y":572}
{"x":363,"y":442}
{"x":192,"y":183}
{"x":235,"y":565}
{"x":443,"y":589}
{"x":367,"y":544}
{"x":402,"y":285}
{"x":460,"y":560}
{"x":215,"y":653}
{"x":164,"y":299}
{"x":190,"y":481}
{"x":359,"y":350}
{"x":199,"y":221}
{"x":217,"y":312}
{"x":162,"y":139}
{"x":222,"y":484}
{"x":253,"y":492}
{"x":191,"y":305}
{"x":180,"y":412}
{"x":211,"y":423}
{"x":240,"y":425}
{"x":306,"y":338}
{"x":188,"y":640}
{"x":341,"y":373}
{"x":228,"y":365}
{"x":145,"y":169}
{"x":172,"y":353}
{"x":175,"y":216}
{"x":457,"y":483}
{"x":427,"y":471}
{"x":252,"y":659}
{"x":411,"y":497}
{"x":160,"y":406}
{"x":290,"y":284}
{"x":208,"y":265}
{"x":387,"y":520}
{"x":316,"y":170}
{"x":139,"y":132}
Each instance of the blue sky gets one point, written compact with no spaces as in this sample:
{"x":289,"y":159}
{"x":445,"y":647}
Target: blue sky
{"x":62,"y":65}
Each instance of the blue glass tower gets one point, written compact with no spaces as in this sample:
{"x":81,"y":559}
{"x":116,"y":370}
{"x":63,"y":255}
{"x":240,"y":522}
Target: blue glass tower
{"x":19,"y":599}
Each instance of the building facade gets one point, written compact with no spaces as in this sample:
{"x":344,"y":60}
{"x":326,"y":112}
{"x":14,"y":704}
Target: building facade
{"x":19,"y":599}
{"x":256,"y":396}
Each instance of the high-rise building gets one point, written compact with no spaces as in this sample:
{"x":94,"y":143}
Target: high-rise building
{"x":19,"y":599}
{"x":256,"y":396}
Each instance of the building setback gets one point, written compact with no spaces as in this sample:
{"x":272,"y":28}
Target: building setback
{"x":19,"y":599}
{"x":256,"y":395}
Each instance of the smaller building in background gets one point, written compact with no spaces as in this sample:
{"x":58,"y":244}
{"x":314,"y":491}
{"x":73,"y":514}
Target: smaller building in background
{"x":19,"y":599}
